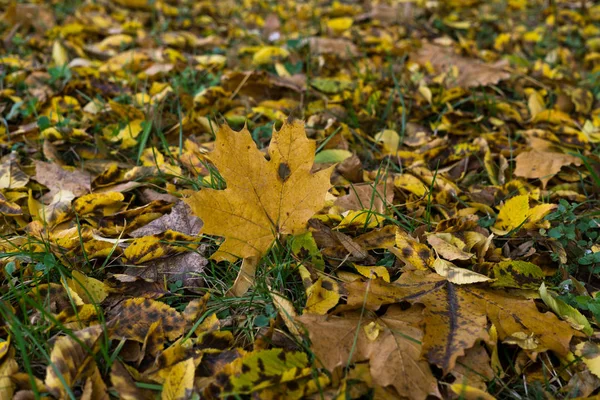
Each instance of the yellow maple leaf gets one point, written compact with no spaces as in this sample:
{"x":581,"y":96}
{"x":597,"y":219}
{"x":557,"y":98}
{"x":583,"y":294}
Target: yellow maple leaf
{"x":263,"y":198}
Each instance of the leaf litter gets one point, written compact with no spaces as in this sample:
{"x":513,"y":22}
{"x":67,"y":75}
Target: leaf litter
{"x":313,"y":200}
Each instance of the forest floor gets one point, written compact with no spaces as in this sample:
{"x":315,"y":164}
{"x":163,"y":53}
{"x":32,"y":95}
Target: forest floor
{"x":299,"y":199}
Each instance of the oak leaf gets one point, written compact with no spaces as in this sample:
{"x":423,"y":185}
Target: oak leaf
{"x":263,"y":198}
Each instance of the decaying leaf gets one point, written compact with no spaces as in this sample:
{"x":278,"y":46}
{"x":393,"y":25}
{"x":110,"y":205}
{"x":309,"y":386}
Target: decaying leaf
{"x":429,"y":231}
{"x":272,"y":372}
{"x":133,"y":318}
{"x":70,"y":359}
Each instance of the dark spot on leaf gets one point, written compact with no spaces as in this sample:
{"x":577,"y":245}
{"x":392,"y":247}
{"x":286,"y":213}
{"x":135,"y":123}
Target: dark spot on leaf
{"x":327,"y":285}
{"x":284,"y":171}
{"x":293,"y":386}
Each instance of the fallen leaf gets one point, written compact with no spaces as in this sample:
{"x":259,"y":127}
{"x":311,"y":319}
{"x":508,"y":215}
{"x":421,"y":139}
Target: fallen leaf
{"x":133,"y":318}
{"x":180,"y":381}
{"x":455,"y":315}
{"x":542,"y":165}
{"x":471,"y":72}
{"x":11,"y":176}
{"x":516,"y":213}
{"x":284,"y":193}
{"x":8,"y":368}
{"x":566,"y":312}
{"x":59,"y":180}
{"x":339,"y":47}
{"x":179,"y":219}
{"x":69,"y":359}
{"x":394,"y":355}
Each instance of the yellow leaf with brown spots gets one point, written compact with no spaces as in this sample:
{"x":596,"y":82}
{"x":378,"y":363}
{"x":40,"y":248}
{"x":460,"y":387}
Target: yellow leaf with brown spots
{"x":8,"y":368}
{"x":413,"y":253}
{"x":165,"y":244}
{"x":69,"y":359}
{"x":517,"y":274}
{"x":373,"y":272}
{"x":104,"y":204}
{"x":11,"y":175}
{"x":321,"y":295}
{"x":590,"y":354}
{"x":134,"y":317}
{"x":9,"y":208}
{"x":263,"y":199}
{"x":279,"y":373}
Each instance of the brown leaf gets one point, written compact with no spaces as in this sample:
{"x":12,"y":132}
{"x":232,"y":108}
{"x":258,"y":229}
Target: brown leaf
{"x":391,"y":346}
{"x":58,"y":179}
{"x":341,"y":48}
{"x":471,"y":72}
{"x":39,"y":16}
{"x":124,"y":384}
{"x":180,"y":219}
{"x":365,"y":197}
{"x":187,"y":268}
{"x":542,"y":165}
{"x":455,"y":315}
